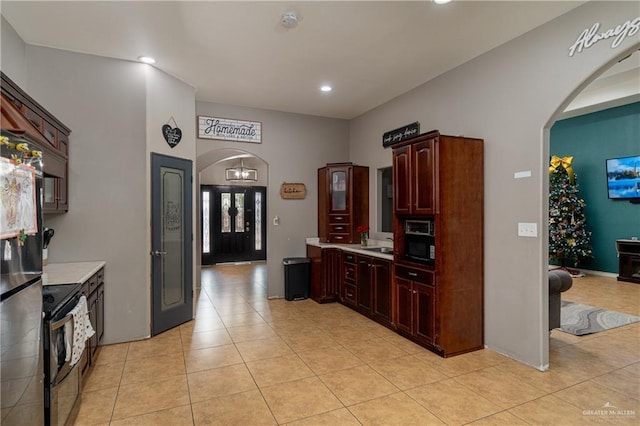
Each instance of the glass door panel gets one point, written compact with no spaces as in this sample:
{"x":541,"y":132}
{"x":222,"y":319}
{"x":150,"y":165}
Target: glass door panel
{"x":338,"y":191}
{"x":206,"y":225}
{"x":172,"y":243}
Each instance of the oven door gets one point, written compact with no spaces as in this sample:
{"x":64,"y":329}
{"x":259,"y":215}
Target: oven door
{"x":61,"y":333}
{"x":64,"y":378}
{"x":65,"y":398}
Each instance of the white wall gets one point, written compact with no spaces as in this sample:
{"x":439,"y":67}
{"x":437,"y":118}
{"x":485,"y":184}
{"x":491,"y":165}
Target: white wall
{"x":294,"y":146}
{"x":507,"y":97}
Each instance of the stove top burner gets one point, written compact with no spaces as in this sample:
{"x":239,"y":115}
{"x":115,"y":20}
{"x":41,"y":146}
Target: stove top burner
{"x":56,"y":296}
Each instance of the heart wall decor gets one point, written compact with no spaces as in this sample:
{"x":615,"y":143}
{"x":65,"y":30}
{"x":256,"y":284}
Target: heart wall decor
{"x":172,"y":135}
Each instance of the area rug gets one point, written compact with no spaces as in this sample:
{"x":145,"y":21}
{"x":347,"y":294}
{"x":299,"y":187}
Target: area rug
{"x":580,"y":319}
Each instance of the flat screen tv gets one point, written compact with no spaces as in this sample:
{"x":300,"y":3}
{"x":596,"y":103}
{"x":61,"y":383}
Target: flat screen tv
{"x":623,"y":178}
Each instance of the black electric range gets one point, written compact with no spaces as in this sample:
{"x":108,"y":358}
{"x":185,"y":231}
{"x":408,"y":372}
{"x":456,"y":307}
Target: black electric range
{"x":55,"y":297}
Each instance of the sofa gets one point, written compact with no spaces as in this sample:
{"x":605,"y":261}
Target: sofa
{"x":559,"y":282}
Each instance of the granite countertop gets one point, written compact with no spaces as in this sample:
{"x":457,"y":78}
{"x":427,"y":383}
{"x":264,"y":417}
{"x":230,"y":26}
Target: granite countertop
{"x":357,"y":248}
{"x":70,"y":273}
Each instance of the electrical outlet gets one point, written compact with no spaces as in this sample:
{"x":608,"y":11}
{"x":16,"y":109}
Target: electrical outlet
{"x":527,"y":230}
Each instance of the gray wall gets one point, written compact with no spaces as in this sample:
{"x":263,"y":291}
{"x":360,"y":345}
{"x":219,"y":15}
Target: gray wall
{"x":294,"y":146}
{"x":115,"y":110}
{"x":13,"y":59}
{"x":508,"y":97}
{"x":103,"y":102}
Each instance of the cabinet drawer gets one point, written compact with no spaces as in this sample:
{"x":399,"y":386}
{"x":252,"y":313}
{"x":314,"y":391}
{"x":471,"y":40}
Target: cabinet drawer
{"x":101,"y":276}
{"x":424,"y":277}
{"x":350,"y":272}
{"x":339,"y":218}
{"x":350,"y":294}
{"x":339,"y":228}
{"x":349,"y":258}
{"x":93,"y":283}
{"x":338,"y":238}
{"x":85,"y":289}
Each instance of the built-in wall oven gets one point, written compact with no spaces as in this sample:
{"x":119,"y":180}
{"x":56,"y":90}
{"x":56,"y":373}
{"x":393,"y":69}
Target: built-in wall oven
{"x":61,"y":376}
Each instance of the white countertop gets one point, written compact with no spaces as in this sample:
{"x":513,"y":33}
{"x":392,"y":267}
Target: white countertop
{"x":356,"y":248}
{"x":70,"y":273}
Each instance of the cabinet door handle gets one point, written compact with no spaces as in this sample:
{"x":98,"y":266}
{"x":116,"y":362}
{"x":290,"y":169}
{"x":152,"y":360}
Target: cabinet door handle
{"x":412,"y":274}
{"x":158,"y":253}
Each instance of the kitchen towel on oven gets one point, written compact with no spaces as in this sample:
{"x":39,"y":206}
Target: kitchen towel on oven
{"x":82,"y":330}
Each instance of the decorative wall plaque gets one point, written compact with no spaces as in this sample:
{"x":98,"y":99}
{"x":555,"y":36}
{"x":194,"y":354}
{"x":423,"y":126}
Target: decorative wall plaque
{"x":293,"y":191}
{"x":401,"y":134}
{"x":229,"y":130}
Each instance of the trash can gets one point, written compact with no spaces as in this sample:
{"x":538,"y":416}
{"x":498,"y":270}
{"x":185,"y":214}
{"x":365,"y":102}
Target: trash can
{"x":297,"y":271}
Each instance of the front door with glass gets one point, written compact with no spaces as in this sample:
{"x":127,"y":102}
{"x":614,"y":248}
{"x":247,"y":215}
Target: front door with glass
{"x":233,"y":219}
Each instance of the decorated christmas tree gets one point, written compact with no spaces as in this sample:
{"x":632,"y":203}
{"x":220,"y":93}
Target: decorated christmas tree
{"x":569,"y":238}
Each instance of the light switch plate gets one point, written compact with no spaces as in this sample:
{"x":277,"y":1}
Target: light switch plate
{"x":527,"y":230}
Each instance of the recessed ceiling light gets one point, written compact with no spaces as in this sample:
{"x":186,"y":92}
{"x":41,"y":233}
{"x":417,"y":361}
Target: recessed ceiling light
{"x":441,"y":1}
{"x":326,"y":88}
{"x":146,"y":59}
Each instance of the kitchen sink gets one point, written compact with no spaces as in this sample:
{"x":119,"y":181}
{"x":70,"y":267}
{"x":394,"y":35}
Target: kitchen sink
{"x":385,"y":250}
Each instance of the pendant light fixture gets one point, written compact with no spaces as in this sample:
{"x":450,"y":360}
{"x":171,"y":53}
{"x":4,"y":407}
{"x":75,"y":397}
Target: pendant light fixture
{"x":241,"y":173}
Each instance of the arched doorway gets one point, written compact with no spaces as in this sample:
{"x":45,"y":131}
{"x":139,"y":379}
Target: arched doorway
{"x":232,"y":203}
{"x":604,"y":89}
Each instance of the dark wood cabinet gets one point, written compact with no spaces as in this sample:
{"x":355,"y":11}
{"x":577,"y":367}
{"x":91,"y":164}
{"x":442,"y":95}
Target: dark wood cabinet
{"x":349,"y":278}
{"x":416,"y":304}
{"x":343,"y":202}
{"x":413,"y":172}
{"x":93,"y":290}
{"x":373,"y":286}
{"x":326,"y":273}
{"x":439,"y":178}
{"x":628,"y":260}
{"x":365,"y":283}
{"x":381,"y":306}
{"x":23,"y":115}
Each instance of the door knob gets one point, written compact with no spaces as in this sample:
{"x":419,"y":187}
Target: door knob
{"x":158,"y":253}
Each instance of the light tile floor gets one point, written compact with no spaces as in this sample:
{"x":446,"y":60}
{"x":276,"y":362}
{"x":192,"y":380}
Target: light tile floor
{"x":246,"y":360}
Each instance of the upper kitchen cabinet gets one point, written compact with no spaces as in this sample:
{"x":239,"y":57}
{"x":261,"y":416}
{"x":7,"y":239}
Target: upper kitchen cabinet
{"x":343,"y":202}
{"x":414,"y":177}
{"x":22,"y":115}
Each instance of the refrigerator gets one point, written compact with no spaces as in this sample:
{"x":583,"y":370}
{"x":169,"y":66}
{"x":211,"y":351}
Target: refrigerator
{"x":21,"y":353}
